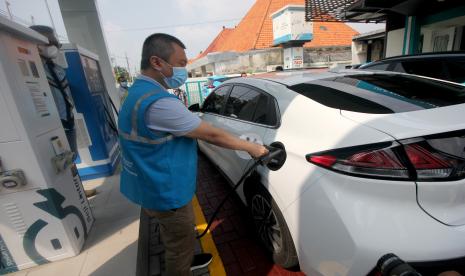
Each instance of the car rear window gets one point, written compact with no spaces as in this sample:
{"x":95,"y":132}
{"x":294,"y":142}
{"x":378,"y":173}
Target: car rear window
{"x":382,"y":93}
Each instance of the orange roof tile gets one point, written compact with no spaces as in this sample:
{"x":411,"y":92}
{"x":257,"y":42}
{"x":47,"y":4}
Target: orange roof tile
{"x":255,"y":31}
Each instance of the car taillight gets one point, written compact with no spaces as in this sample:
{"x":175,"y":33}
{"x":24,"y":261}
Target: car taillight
{"x":211,"y":86}
{"x":431,"y":164}
{"x":438,"y":157}
{"x":377,"y":161}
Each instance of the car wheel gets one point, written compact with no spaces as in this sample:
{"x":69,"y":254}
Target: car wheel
{"x":271,"y":227}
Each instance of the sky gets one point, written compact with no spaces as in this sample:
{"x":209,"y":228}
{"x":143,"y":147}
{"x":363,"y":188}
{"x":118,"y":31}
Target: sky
{"x":128,"y":23}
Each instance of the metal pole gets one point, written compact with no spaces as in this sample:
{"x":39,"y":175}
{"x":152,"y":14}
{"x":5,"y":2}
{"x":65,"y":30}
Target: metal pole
{"x":8,"y":9}
{"x":127,"y":64}
{"x":199,"y":88}
{"x":188,"y":94}
{"x":50,"y":14}
{"x":32,"y":20}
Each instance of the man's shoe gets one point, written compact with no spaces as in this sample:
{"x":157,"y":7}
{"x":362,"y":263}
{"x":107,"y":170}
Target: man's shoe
{"x":201,"y":261}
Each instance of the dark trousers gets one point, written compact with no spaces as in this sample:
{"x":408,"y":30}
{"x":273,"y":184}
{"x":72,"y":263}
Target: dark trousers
{"x":178,"y":237}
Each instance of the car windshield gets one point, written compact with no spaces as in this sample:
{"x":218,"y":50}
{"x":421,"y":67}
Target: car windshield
{"x":382,"y":93}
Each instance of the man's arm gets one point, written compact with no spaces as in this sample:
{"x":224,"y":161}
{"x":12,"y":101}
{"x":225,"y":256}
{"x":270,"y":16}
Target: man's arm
{"x":221,"y":138}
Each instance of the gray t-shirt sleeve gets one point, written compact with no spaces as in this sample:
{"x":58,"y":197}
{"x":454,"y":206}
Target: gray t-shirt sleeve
{"x":170,"y":115}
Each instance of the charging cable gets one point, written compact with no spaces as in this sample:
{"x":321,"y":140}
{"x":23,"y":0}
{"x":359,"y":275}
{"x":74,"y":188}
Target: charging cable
{"x":262,"y":161}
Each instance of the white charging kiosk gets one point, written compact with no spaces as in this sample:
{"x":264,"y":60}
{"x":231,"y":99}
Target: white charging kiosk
{"x":44,"y":214}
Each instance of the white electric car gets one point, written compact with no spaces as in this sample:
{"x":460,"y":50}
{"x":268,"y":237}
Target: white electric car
{"x":375,"y":164}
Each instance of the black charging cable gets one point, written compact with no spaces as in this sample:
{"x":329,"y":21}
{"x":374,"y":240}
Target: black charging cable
{"x":263,"y":161}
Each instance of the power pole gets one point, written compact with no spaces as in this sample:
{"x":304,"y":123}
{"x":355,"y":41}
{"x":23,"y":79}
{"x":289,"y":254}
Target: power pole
{"x":8,"y":9}
{"x":127,"y":64}
{"x":32,"y":20}
{"x":50,"y":14}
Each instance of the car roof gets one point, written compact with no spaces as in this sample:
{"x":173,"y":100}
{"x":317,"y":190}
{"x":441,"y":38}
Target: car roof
{"x":289,"y":78}
{"x":421,"y":56}
{"x":215,"y":77}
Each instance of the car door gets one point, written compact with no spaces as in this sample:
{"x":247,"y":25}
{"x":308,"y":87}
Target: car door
{"x":246,"y":115}
{"x":211,"y":112}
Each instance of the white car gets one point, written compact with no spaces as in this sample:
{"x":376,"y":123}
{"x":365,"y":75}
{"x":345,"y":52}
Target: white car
{"x":375,"y":164}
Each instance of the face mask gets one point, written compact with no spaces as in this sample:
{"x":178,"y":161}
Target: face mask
{"x":49,"y":51}
{"x":124,"y":84}
{"x":178,"y":79}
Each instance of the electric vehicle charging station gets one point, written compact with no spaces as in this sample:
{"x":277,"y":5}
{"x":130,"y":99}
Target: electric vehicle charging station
{"x":97,"y":138}
{"x":44,"y":213}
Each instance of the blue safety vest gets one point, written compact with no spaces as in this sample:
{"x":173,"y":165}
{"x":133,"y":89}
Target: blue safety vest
{"x":159,"y":171}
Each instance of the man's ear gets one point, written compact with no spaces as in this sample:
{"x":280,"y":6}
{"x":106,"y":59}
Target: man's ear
{"x":156,"y":63}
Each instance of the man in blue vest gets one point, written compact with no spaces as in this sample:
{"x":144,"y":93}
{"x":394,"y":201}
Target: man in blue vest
{"x":158,"y":141}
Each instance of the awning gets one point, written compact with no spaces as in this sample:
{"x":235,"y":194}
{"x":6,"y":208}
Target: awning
{"x":373,"y":11}
{"x":370,"y":35}
{"x":343,"y":11}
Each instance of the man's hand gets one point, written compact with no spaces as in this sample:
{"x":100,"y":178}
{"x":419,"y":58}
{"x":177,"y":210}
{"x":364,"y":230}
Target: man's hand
{"x":257,"y":151}
{"x":221,"y":138}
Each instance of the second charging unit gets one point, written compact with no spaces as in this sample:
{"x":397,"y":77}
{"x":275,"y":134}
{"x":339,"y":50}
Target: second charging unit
{"x":97,"y":139}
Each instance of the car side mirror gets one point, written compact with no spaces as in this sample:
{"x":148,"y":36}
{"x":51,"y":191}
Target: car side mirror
{"x":194,"y":107}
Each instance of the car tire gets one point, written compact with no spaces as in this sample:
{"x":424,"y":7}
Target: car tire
{"x":270,"y":226}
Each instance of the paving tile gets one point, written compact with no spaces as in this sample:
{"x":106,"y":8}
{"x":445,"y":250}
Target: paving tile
{"x":245,"y":259}
{"x":214,"y":201}
{"x":233,"y":269}
{"x":226,"y":254}
{"x":225,"y":237}
{"x":226,"y":225}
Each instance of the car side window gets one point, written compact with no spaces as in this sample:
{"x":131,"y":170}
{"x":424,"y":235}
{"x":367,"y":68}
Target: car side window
{"x":215,"y":102}
{"x":251,"y":105}
{"x":265,"y":113}
{"x":242,"y":103}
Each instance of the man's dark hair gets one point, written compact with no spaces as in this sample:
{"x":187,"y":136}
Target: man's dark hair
{"x":160,"y":45}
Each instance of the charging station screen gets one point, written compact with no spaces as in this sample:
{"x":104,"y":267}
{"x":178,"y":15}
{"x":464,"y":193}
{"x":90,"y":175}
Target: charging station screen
{"x":93,"y":76}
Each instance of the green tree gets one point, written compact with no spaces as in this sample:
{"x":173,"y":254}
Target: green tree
{"x":121,"y":71}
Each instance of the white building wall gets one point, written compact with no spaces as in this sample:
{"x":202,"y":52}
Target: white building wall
{"x":359,"y":53}
{"x":395,"y":42}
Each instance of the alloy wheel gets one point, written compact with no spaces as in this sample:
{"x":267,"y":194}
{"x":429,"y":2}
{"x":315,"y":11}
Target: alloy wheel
{"x":266,"y":223}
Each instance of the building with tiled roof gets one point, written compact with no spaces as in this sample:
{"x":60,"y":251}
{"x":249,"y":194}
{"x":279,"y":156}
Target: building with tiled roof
{"x":254,"y":34}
